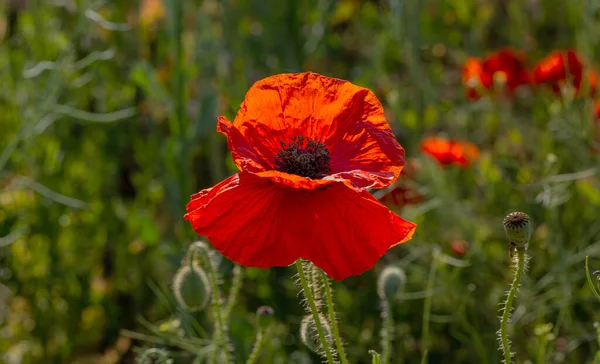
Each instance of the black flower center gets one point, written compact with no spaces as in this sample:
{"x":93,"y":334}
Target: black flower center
{"x":304,"y":157}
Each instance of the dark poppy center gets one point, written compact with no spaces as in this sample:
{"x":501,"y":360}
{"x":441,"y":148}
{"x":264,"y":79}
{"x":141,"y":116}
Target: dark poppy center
{"x":304,"y":157}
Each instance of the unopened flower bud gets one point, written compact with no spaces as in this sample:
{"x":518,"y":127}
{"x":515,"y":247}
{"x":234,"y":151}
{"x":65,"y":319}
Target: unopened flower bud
{"x":265,"y":316}
{"x":191,"y":287}
{"x":390,"y":283}
{"x":309,"y":334}
{"x":518,"y":229}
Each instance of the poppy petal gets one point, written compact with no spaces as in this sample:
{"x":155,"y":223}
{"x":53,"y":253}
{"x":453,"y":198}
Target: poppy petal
{"x":245,"y":218}
{"x":352,"y":231}
{"x":255,"y":223}
{"x":347,"y":118}
{"x":245,"y":156}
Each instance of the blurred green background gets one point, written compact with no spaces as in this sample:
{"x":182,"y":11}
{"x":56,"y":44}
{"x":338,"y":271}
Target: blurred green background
{"x":107,"y":125}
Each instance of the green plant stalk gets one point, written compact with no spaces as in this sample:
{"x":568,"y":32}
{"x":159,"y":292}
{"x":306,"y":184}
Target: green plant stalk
{"x":236,"y":284}
{"x":314,"y":311}
{"x":386,"y":331}
{"x":589,"y":279}
{"x":332,"y":319}
{"x":427,"y":311}
{"x":258,"y":344}
{"x":220,"y":338}
{"x":520,"y":268}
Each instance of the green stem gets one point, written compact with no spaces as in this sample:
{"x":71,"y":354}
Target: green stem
{"x":258,"y":344}
{"x":236,"y":284}
{"x":332,"y":319}
{"x":427,"y":310}
{"x":386,"y":331}
{"x":220,"y":340}
{"x":508,"y":305}
{"x":314,"y":311}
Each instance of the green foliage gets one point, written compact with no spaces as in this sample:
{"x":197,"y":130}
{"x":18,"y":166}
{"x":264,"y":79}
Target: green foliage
{"x":108,"y":125}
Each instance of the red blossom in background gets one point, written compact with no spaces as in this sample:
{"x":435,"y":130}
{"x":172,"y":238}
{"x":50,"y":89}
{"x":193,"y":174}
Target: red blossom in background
{"x":565,"y":67}
{"x":308,"y":147}
{"x":459,"y":247}
{"x":507,"y":67}
{"x":447,"y":151}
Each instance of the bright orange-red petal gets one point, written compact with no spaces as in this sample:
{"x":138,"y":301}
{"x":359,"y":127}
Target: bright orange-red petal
{"x":347,"y":118}
{"x":447,"y":151}
{"x":558,"y":68}
{"x":258,"y":224}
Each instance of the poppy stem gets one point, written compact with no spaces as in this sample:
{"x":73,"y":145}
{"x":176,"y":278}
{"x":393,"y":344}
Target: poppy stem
{"x":220,"y":340}
{"x":314,"y":311}
{"x":520,"y":269}
{"x":332,"y":319}
{"x":427,"y":308}
{"x":236,"y":284}
{"x":386,"y":331}
{"x":258,"y":344}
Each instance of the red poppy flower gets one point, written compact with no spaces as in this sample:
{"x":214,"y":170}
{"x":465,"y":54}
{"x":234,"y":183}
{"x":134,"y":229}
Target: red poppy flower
{"x":447,"y":151}
{"x":459,"y":247}
{"x":506,"y":67}
{"x":562,"y":67}
{"x":308,"y":147}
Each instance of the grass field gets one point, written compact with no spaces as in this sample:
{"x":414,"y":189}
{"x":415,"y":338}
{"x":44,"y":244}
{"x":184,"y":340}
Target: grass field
{"x":108,"y":124}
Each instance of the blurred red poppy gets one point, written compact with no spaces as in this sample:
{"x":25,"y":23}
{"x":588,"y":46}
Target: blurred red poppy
{"x":308,"y":147}
{"x":459,"y":247}
{"x":506,"y":68}
{"x":565,"y":67}
{"x":447,"y":151}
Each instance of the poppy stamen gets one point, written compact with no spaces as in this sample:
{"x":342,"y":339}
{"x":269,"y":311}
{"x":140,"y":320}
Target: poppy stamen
{"x":304,"y":157}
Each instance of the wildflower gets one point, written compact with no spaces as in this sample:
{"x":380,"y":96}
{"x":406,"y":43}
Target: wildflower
{"x":308,"y":147}
{"x":565,"y":67}
{"x":459,"y":247}
{"x":447,"y":151}
{"x":502,"y":71}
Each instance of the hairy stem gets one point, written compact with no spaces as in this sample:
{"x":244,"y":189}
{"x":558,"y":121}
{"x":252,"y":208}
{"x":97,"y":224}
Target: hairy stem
{"x":504,"y":342}
{"x":314,"y":311}
{"x":220,"y":339}
{"x":427,"y":310}
{"x":258,"y":344}
{"x":386,"y":331}
{"x":332,"y":319}
{"x":236,"y":284}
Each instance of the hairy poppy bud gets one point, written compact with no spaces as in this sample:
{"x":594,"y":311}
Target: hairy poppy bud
{"x":309,"y":334}
{"x":191,"y":287}
{"x":264,"y":316}
{"x":518,"y":229}
{"x":390,"y":283}
{"x":154,"y":356}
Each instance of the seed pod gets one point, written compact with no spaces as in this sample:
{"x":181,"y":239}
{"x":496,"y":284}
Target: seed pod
{"x":390,"y":283}
{"x":518,"y":229}
{"x":310,"y":336}
{"x":191,"y":287}
{"x":265,"y":316}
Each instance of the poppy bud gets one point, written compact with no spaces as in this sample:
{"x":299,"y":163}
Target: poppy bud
{"x":191,"y":287}
{"x":390,"y":283}
{"x":265,"y":316}
{"x":518,"y":229}
{"x":309,"y":334}
{"x":154,"y":356}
